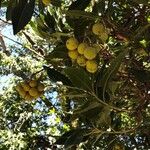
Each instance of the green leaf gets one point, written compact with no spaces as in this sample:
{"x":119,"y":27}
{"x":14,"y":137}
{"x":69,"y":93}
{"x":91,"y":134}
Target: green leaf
{"x":22,"y":14}
{"x":141,"y":1}
{"x":112,"y":70}
{"x":58,"y":52}
{"x":55,"y":76}
{"x":87,"y":106}
{"x":73,"y":137}
{"x":141,"y":75}
{"x":79,"y":5}
{"x":79,"y":78}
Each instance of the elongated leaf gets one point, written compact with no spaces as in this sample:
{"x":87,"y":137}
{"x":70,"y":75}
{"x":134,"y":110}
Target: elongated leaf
{"x":73,"y":137}
{"x":79,"y":5}
{"x":22,"y":14}
{"x":111,"y":71}
{"x":58,"y":52}
{"x":79,"y":78}
{"x":87,"y":107}
{"x":55,"y":76}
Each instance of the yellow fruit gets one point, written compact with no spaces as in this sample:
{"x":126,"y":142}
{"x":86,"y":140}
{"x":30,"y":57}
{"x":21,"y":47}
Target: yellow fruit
{"x":22,"y":93}
{"x":81,"y":60}
{"x":91,"y":66}
{"x":97,"y":47}
{"x":98,"y":28}
{"x":33,"y":83}
{"x":73,"y":54}
{"x":28,"y":97}
{"x":90,"y":53}
{"x":40,"y":87}
{"x":46,"y":2}
{"x":19,"y":88}
{"x":72,"y":43}
{"x":81,"y":48}
{"x":33,"y":92}
{"x":103,"y":36}
{"x":25,"y":86}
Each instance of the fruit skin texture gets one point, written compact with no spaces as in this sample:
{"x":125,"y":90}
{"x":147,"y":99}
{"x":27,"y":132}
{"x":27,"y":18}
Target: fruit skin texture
{"x":40,"y":87}
{"x":46,"y":2}
{"x":98,"y":28}
{"x":33,"y":83}
{"x":28,"y":97}
{"x":90,"y":53}
{"x":81,"y":48}
{"x":73,"y":54}
{"x":22,"y":93}
{"x":91,"y":66}
{"x":81,"y":61}
{"x":103,"y":36}
{"x":25,"y":86}
{"x":33,"y":92}
{"x":72,"y":43}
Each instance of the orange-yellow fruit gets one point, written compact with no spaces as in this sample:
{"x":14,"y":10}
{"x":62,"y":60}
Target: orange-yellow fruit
{"x":25,"y":86}
{"x":103,"y":36}
{"x":81,"y":61}
{"x":73,"y":54}
{"x":81,"y":48}
{"x":22,"y":93}
{"x":33,"y":92}
{"x":91,"y":66}
{"x":40,"y":87}
{"x":90,"y":53}
{"x":19,"y":88}
{"x":46,"y":2}
{"x":98,"y":28}
{"x":28,"y":97}
{"x":72,"y":43}
{"x":33,"y":83}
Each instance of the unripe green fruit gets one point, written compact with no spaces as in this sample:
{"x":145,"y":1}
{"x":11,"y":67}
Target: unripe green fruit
{"x":98,"y":28}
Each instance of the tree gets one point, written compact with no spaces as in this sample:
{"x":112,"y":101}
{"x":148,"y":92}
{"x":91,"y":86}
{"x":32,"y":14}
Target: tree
{"x":93,"y":58}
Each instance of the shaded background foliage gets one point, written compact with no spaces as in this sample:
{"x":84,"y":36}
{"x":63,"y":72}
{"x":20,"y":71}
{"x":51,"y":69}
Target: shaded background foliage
{"x":107,"y":110}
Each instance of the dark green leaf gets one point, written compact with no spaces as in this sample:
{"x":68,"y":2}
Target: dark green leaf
{"x":79,"y":78}
{"x":141,"y":75}
{"x":56,"y":3}
{"x":112,"y":70}
{"x":22,"y":14}
{"x":141,"y":1}
{"x":50,"y":21}
{"x":73,"y":137}
{"x":58,"y":52}
{"x":79,"y":5}
{"x":55,"y":76}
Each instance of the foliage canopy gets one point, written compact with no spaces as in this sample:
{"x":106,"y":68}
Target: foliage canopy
{"x":100,"y":101}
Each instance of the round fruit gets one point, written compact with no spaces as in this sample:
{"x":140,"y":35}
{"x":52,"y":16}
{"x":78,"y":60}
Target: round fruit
{"x":28,"y":97}
{"x":103,"y":36}
{"x":46,"y":2}
{"x":72,"y":43}
{"x":22,"y":93}
{"x":91,"y":66}
{"x":81,"y":48}
{"x":25,"y":86}
{"x":73,"y":54}
{"x":33,"y":83}
{"x":33,"y":92}
{"x":90,"y":53}
{"x":97,"y":47}
{"x":19,"y":88}
{"x":81,"y":60}
{"x":98,"y":28}
{"x":40,"y":87}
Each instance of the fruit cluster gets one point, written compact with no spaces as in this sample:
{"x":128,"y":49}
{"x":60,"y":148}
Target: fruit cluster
{"x":30,"y":90}
{"x":85,"y":54}
{"x":99,"y":30}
